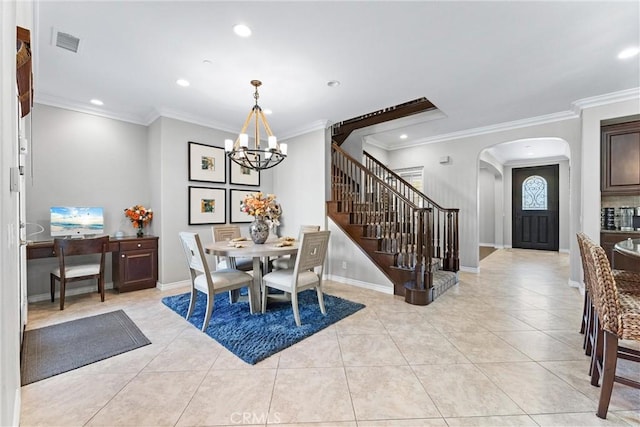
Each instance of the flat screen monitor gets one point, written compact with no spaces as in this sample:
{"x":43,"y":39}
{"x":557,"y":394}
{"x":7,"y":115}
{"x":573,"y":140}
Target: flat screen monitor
{"x":76,"y":221}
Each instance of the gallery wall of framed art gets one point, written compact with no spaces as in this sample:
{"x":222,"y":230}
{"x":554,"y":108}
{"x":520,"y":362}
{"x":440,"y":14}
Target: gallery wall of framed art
{"x":209,"y":205}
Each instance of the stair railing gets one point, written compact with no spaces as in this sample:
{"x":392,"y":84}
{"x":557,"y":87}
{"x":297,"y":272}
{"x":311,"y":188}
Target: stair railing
{"x":402,"y":227}
{"x":445,"y":220}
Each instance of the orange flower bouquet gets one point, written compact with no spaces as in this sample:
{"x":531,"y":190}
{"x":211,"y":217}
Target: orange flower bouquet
{"x":139,"y":217}
{"x":262,"y":206}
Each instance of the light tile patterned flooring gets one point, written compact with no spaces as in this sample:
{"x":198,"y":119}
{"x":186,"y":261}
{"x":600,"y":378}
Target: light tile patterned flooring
{"x":501,"y":348}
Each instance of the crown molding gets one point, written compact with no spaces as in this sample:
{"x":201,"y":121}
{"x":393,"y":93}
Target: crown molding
{"x":500,"y":127}
{"x":196,"y":120}
{"x":313,"y":126}
{"x":85,"y":109}
{"x":608,"y":98}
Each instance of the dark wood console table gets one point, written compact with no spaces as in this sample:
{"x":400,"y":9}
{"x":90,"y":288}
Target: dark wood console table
{"x":134,"y":260}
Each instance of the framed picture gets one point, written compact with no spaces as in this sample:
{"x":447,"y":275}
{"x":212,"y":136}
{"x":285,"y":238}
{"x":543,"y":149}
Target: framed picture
{"x":235,"y":200}
{"x":243,"y":176}
{"x":207,"y":206}
{"x":207,"y":163}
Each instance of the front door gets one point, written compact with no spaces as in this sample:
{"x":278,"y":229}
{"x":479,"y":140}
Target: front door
{"x":535,"y":207}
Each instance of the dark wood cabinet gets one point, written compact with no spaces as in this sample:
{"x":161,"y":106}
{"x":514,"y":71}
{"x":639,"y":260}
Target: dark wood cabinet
{"x":618,"y":260}
{"x":135,"y":264}
{"x":620,"y":152}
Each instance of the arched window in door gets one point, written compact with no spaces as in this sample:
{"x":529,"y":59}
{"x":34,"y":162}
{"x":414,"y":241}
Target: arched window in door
{"x":534,"y":194}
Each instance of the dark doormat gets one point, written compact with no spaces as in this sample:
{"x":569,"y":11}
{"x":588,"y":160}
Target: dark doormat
{"x":60,"y":348}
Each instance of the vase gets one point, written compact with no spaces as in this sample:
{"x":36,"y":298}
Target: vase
{"x":259,"y":231}
{"x":140,"y":233}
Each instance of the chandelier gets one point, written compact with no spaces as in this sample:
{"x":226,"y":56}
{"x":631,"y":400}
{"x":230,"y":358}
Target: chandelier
{"x":259,"y":156}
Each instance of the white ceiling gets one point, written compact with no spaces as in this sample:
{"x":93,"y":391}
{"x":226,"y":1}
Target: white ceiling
{"x":481,"y":63}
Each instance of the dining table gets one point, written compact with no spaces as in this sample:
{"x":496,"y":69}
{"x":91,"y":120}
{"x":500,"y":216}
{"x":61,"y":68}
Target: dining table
{"x":630,"y":247}
{"x":260,"y":254}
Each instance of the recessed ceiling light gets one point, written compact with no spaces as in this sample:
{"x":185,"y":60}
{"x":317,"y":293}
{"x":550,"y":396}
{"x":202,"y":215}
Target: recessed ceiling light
{"x":629,"y":52}
{"x":267,"y":111}
{"x":182,"y":82}
{"x":404,"y":136}
{"x":96,"y":102}
{"x":333,"y":83}
{"x":242,"y":30}
{"x":206,"y":62}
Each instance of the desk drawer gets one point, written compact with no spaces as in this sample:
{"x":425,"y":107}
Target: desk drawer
{"x":138,"y":245}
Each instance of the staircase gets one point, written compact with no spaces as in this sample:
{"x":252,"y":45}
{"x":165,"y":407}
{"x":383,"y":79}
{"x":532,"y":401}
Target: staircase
{"x":411,"y":239}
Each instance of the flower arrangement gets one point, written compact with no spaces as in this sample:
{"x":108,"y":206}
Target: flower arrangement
{"x":139,"y":217}
{"x":259,"y":205}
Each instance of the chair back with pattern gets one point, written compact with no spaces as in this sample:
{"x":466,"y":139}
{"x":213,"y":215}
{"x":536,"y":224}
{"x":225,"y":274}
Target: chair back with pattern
{"x":307,"y":229}
{"x":607,"y":302}
{"x":312,"y":251}
{"x":223,"y":233}
{"x":195,"y":254}
{"x":583,"y":242}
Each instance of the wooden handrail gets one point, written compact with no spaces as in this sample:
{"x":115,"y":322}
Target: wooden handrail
{"x":402,"y":228}
{"x":445,"y":220}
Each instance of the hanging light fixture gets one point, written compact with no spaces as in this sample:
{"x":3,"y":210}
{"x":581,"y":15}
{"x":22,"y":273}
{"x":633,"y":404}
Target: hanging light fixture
{"x":256,"y":157}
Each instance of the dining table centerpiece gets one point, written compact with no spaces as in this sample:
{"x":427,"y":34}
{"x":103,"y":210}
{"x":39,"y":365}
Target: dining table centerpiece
{"x":139,"y":217}
{"x":266,"y":212}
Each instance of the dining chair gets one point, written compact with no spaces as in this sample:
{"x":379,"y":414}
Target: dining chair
{"x":617,"y":318}
{"x":306,"y":273}
{"x":208,"y":282}
{"x":627,"y":281}
{"x":587,"y":307}
{"x":69,"y":271}
{"x":287,"y":261}
{"x":225,"y":233}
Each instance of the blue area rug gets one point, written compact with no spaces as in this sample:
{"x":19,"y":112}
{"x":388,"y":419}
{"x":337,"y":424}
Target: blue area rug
{"x":254,"y":337}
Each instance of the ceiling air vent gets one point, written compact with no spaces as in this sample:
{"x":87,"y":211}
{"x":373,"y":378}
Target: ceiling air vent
{"x":67,"y":41}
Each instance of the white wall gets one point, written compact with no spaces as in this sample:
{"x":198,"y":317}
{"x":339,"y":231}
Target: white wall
{"x":299,"y":182}
{"x":379,"y":154}
{"x":487,"y":207}
{"x":169,"y":140}
{"x":78,"y":159}
{"x":12,"y":14}
{"x":456,"y":184}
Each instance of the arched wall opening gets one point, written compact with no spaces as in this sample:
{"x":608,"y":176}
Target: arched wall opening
{"x":495,"y":166}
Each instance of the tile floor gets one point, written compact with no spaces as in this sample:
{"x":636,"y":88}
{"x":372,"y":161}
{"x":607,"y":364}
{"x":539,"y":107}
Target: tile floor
{"x":501,"y":348}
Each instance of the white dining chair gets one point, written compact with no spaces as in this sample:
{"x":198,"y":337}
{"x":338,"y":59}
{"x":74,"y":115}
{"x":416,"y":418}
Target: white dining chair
{"x":206,"y":281}
{"x":287,"y":261}
{"x":306,"y":273}
{"x":225,"y":233}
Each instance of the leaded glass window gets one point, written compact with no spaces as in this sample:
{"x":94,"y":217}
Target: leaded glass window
{"x":534,"y":194}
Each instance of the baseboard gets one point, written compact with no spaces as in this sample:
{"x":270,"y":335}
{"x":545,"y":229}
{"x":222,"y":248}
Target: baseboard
{"x":360,"y":284}
{"x":499,"y":246}
{"x":489,"y":245}
{"x":564,"y":251}
{"x":470,"y":269}
{"x":173,"y":285}
{"x":69,"y":291}
{"x":575,"y":284}
{"x":17,"y":403}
